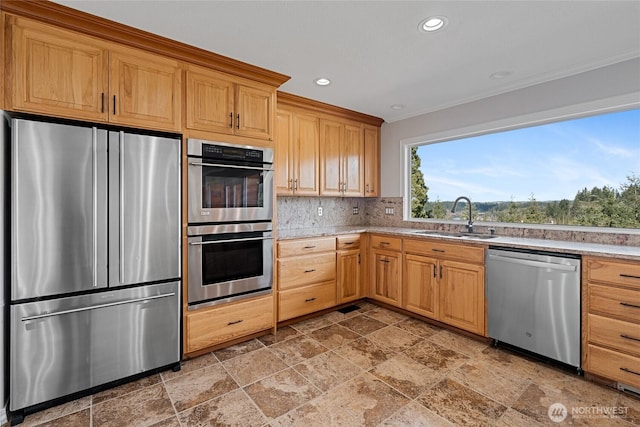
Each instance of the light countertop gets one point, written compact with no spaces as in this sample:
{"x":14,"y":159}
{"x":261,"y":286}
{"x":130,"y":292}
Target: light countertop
{"x":573,"y":247}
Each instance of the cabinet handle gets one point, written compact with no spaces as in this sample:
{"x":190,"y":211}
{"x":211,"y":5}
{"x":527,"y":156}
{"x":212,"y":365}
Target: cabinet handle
{"x":231,"y":119}
{"x":629,"y":276}
{"x":385,"y":243}
{"x":295,"y":184}
{"x":438,"y":250}
{"x":367,"y":188}
{"x":102,"y":102}
{"x":235,"y":322}
{"x":629,"y":338}
{"x":385,"y":260}
{"x":358,"y":258}
{"x":434,"y":271}
{"x":309,"y":247}
{"x":310,"y":299}
{"x":348,"y":243}
{"x":291,"y":184}
{"x":310,"y":271}
{"x":238,"y":121}
{"x":441,"y":272}
{"x":630,"y":371}
{"x":114,"y":105}
{"x":627,"y":304}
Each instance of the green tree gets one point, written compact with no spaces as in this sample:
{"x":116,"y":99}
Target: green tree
{"x":438,"y":211}
{"x":533,"y":213}
{"x":511,"y":214}
{"x":419,"y":189}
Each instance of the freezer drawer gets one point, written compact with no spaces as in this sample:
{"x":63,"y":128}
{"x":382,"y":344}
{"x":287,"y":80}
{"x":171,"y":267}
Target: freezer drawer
{"x":66,"y":345}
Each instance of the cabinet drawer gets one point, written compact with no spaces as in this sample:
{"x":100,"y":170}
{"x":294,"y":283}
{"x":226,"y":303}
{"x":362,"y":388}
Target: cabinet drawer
{"x":306,"y":270}
{"x":455,"y":251}
{"x":287,"y":248}
{"x":349,"y":241}
{"x":622,"y":303}
{"x":613,"y":272}
{"x":300,"y":301}
{"x":386,"y":242}
{"x":613,"y":365}
{"x":613,"y":333}
{"x":216,"y":325}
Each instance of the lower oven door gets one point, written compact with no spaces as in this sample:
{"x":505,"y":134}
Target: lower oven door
{"x":229,"y":265}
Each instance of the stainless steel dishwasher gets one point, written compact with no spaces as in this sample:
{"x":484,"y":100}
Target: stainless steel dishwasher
{"x":533,"y":302}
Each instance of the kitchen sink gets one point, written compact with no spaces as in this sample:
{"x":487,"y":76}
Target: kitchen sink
{"x":460,"y":235}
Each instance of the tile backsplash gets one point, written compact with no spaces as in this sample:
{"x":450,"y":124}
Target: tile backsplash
{"x":302,"y":212}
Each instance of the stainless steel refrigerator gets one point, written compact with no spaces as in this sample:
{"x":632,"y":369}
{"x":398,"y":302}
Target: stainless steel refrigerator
{"x":95,"y":258}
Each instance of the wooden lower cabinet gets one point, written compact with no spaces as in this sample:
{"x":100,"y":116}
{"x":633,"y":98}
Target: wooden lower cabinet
{"x":445,"y":282}
{"x":215,"y":325}
{"x":306,"y":276}
{"x":611,"y":336}
{"x":462,"y":300}
{"x":386,"y":276}
{"x":307,"y":299}
{"x":420,"y":284}
{"x":349,"y":268}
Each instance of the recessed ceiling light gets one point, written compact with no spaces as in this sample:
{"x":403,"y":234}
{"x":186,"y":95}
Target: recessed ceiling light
{"x":322,"y":81}
{"x":433,"y":23}
{"x":500,"y":75}
{"x":397,"y":107}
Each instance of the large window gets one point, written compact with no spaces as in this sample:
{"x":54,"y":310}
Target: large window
{"x":583,"y":171}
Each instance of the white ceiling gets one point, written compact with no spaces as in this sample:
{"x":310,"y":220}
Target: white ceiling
{"x":375,"y":55}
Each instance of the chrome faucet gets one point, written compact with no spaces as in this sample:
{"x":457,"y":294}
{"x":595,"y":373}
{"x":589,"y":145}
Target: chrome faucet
{"x":453,"y":210}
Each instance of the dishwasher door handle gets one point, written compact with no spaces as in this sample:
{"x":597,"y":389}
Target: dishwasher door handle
{"x":531,"y":263}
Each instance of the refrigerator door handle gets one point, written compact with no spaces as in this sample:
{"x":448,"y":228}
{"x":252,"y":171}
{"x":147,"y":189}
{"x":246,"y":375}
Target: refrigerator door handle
{"x":94,"y":189}
{"x":121,"y":207}
{"x":94,"y":307}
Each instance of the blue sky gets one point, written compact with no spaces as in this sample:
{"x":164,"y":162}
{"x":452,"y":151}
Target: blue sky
{"x":551,"y":161}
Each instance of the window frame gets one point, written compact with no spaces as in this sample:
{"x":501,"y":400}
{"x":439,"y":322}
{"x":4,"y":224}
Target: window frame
{"x":609,"y":105}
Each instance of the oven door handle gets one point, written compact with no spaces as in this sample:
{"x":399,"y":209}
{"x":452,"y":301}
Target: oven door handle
{"x":229,"y":166}
{"x":213,"y":242}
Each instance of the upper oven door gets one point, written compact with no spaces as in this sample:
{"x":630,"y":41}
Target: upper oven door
{"x":222,"y":193}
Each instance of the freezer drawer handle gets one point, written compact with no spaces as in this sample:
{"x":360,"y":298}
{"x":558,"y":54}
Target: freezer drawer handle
{"x":626,"y":304}
{"x":534,"y":263}
{"x":93,"y":307}
{"x":629,"y":338}
{"x":219,"y":165}
{"x":213,"y":242}
{"x":630,"y":371}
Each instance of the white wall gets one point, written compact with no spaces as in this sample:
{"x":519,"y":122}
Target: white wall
{"x":600,"y":89}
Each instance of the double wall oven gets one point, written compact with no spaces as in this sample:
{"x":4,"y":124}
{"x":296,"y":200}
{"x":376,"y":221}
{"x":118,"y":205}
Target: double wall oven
{"x":230,"y":214}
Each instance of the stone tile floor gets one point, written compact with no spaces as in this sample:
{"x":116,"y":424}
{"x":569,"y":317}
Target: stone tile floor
{"x":370,"y":367}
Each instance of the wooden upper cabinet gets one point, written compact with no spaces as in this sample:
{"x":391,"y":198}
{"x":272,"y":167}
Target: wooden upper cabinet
{"x":297,"y":153}
{"x":145,"y":89}
{"x":210,"y":102}
{"x":371,"y":161}
{"x":63,"y":73}
{"x":223,"y":104}
{"x":56,"y":72}
{"x":341,"y":159}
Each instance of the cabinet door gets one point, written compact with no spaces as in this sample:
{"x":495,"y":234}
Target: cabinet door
{"x":331,"y":137}
{"x":57,"y":72}
{"x":371,"y":161}
{"x":462,"y":296}
{"x":145,"y":90}
{"x":348,"y":275}
{"x":420,"y":285}
{"x":352,"y":153}
{"x":284,"y":153}
{"x":254,"y":112}
{"x":306,"y":148}
{"x":210,"y":102}
{"x":386,"y":277}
